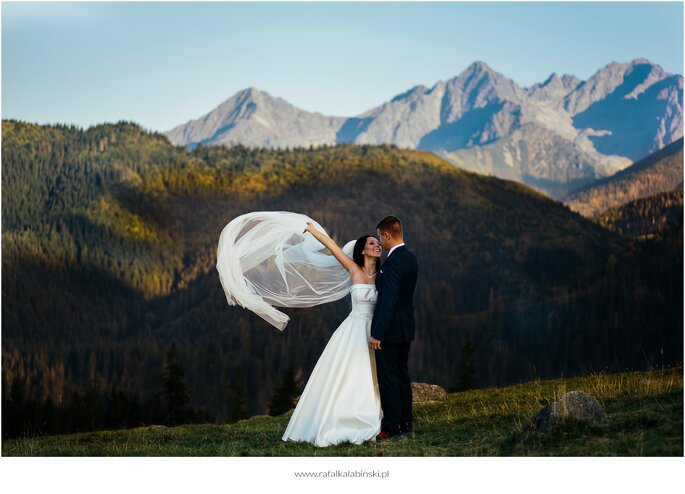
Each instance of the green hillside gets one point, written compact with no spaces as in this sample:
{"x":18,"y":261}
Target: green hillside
{"x":659,"y":172}
{"x":644,"y":411}
{"x":108,"y":250}
{"x":643,"y":216}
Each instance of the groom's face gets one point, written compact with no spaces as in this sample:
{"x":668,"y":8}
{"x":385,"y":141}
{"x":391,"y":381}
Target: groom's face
{"x":383,"y":238}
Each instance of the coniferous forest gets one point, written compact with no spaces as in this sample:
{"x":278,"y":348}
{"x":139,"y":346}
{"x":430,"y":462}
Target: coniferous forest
{"x":113,"y":314}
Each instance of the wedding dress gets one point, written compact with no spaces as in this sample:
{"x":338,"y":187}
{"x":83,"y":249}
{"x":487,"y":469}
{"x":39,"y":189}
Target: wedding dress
{"x":266,"y":260}
{"x":341,"y":401}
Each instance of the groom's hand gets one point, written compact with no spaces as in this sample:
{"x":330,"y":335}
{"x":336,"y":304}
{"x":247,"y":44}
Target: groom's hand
{"x":374,"y":344}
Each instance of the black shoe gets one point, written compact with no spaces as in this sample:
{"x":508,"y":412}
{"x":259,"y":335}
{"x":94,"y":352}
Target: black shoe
{"x":407,"y":427}
{"x":395,"y":431}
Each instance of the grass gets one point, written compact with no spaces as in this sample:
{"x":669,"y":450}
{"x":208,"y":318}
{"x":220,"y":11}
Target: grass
{"x":645,"y":412}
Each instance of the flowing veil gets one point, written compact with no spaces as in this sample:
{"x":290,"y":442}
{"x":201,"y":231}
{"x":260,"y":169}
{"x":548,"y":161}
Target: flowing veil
{"x":265,"y":261}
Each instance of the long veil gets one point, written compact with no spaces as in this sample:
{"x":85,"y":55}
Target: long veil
{"x":265,"y":261}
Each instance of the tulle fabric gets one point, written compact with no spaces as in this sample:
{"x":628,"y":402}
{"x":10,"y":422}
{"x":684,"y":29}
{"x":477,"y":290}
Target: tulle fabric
{"x":265,"y":261}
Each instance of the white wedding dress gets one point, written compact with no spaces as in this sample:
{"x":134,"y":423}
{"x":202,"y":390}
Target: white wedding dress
{"x":341,"y":401}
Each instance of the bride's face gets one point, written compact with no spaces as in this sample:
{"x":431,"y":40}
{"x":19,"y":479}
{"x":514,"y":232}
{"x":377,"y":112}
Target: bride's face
{"x":372,"y":247}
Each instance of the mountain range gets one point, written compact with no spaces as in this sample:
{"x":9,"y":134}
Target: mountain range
{"x":557,"y":136}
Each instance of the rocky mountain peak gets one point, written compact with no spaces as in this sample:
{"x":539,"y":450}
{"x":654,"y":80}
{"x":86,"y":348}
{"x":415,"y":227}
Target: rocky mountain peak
{"x":632,"y":77}
{"x":478,"y":67}
{"x":481,"y":72}
{"x":570,"y":81}
{"x":553,"y":78}
{"x":407,"y":95}
{"x":554,"y":88}
{"x":547,"y":135}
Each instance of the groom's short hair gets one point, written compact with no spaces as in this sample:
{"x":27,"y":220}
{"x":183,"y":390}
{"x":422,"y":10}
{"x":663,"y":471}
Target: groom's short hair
{"x":392,"y":225}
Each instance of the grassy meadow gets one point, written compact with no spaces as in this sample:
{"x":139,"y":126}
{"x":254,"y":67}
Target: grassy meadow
{"x":645,"y":412}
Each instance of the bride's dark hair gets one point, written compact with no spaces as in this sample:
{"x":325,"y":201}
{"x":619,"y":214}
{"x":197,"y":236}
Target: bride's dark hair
{"x":357,"y":253}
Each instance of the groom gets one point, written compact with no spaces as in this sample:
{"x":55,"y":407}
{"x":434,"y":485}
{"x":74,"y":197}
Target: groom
{"x":392,"y":328}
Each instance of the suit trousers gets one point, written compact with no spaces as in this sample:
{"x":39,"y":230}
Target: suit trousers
{"x":393,"y":382}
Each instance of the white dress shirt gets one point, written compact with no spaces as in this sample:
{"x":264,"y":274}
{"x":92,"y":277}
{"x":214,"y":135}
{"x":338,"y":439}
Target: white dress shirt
{"x":398,"y":245}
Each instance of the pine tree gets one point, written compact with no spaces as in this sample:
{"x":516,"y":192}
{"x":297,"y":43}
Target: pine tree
{"x":285,"y":394}
{"x":174,"y":393}
{"x":134,"y":413}
{"x":237,"y":408}
{"x":13,"y":411}
{"x":467,"y":371}
{"x":116,"y":411}
{"x":93,"y":410}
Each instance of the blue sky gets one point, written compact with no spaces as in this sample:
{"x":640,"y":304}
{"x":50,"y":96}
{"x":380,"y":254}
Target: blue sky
{"x":161,"y":64}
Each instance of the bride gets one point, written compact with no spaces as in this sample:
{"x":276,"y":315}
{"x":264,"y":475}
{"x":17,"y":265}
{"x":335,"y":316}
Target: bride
{"x":264,"y":261}
{"x":341,"y":401}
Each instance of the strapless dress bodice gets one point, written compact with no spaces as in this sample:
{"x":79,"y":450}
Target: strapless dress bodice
{"x":363,"y":301}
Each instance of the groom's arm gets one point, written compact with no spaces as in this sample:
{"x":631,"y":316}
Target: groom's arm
{"x":387,"y":305}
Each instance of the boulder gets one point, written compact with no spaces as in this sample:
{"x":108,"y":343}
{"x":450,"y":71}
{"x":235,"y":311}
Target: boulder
{"x":253,"y":417}
{"x":574,"y":404}
{"x":159,"y":428}
{"x":427,"y":393}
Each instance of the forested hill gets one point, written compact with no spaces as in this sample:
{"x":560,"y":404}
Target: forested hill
{"x":644,"y":216}
{"x":659,"y":172}
{"x":109,"y":241}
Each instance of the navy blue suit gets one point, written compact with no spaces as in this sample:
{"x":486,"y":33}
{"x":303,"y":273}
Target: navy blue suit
{"x":393,"y":324}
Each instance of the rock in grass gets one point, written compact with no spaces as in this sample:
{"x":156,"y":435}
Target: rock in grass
{"x":427,"y":393}
{"x":159,"y":428}
{"x":574,"y":404}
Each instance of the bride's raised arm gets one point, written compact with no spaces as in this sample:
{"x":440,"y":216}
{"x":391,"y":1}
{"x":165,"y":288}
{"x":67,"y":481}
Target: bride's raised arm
{"x":346,"y":261}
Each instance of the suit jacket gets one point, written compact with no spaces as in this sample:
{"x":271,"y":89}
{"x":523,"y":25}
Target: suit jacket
{"x":393,"y":317}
